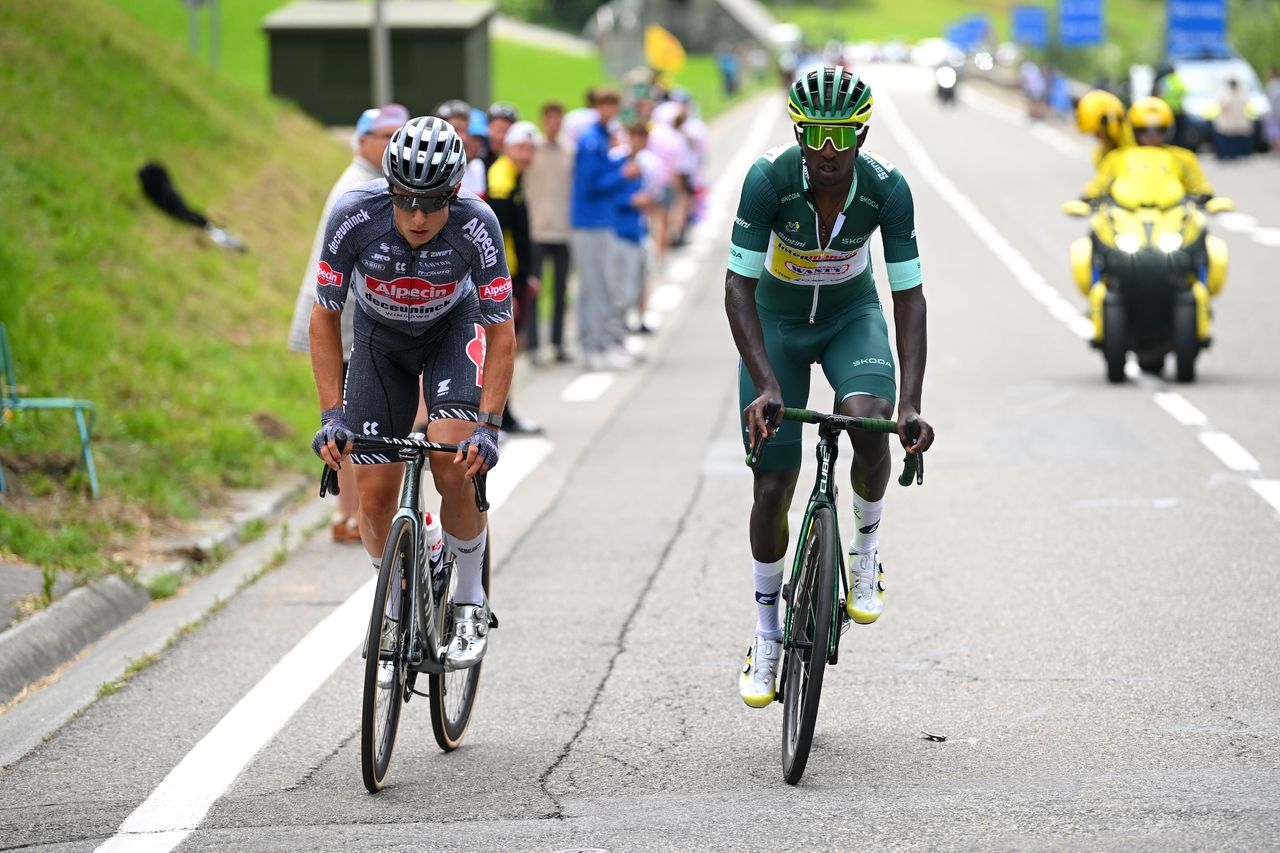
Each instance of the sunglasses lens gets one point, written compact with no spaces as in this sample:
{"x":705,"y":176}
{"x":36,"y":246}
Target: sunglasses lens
{"x":840,"y":136}
{"x":426,"y":204}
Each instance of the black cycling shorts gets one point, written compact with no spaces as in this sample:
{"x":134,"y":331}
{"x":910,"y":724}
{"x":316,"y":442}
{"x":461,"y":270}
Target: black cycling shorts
{"x":381,"y":392}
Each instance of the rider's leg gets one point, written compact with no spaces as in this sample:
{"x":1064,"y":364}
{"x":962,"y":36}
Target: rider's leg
{"x":464,"y":525}
{"x":379,"y":490}
{"x":773,"y":491}
{"x":870,"y":469}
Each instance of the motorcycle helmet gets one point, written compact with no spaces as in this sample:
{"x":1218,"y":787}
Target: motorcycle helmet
{"x":831,"y":96}
{"x":1150,"y":113}
{"x":1100,"y":110}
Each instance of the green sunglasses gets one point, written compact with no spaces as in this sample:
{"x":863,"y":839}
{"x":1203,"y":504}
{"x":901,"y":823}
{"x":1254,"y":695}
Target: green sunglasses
{"x":842,"y":136}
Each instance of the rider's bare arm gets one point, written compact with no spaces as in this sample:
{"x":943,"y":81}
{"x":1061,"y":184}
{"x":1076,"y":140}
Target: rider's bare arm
{"x":744,"y":322}
{"x":326,"y":355}
{"x":913,"y":348}
{"x":499,"y":360}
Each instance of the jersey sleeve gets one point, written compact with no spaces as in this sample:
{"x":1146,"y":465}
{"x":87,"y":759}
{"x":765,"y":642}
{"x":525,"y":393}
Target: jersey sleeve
{"x":338,"y":252}
{"x":1193,"y":179}
{"x":757,"y":209}
{"x":489,"y":265}
{"x":898,"y":235}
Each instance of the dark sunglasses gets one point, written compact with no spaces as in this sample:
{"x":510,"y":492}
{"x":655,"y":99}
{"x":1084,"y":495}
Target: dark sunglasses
{"x":425,"y":203}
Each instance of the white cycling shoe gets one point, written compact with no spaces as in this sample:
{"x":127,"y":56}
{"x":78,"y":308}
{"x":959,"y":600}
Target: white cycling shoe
{"x":470,"y":635}
{"x":758,"y":683}
{"x":866,"y":587}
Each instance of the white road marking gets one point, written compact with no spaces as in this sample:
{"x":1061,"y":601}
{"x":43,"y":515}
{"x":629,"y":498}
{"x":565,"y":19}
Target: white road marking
{"x":1181,"y":409}
{"x":1229,"y":451}
{"x":665,"y":298}
{"x":1266,"y":236}
{"x":1233,"y":221}
{"x":518,"y":459}
{"x":176,"y":807}
{"x":1270,"y":491}
{"x":682,"y":270}
{"x":587,"y":387}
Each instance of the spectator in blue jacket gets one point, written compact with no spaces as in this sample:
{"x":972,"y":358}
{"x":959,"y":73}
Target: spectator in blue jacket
{"x":635,"y":198}
{"x":596,"y":181}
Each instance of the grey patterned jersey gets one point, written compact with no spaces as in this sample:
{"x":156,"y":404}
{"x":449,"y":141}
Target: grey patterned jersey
{"x":406,"y":289}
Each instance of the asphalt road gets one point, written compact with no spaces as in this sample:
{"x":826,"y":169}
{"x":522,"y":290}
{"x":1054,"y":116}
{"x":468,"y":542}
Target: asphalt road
{"x":1082,"y":597}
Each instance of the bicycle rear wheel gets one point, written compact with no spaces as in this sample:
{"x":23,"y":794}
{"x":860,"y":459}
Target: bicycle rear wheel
{"x":812,"y":607}
{"x":380,"y":711}
{"x":452,"y":694}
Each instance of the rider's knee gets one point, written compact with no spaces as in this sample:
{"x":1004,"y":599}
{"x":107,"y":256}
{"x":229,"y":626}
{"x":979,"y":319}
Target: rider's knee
{"x":774,"y":488}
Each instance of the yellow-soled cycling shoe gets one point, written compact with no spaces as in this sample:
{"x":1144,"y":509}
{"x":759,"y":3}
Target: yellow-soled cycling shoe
{"x":866,"y":588}
{"x":758,"y":683}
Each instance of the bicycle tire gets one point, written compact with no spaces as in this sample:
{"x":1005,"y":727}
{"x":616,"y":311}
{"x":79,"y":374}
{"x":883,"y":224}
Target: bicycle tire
{"x":452,"y":694}
{"x":812,"y":608}
{"x":377,"y":741}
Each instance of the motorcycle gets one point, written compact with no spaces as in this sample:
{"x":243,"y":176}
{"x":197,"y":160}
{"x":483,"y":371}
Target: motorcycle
{"x":946,"y":79}
{"x":1149,"y":268}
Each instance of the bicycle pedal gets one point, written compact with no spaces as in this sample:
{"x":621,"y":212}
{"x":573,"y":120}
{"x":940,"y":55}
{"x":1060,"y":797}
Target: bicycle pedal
{"x":845,"y":622}
{"x":493,"y":619}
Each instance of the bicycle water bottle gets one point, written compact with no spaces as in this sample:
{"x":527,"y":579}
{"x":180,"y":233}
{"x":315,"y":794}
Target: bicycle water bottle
{"x":433,"y":550}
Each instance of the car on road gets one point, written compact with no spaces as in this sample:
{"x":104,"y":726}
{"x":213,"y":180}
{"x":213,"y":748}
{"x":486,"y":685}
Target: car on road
{"x":1204,"y":77}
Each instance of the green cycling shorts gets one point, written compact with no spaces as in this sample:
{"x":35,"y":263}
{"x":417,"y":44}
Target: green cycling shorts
{"x":853,"y":349}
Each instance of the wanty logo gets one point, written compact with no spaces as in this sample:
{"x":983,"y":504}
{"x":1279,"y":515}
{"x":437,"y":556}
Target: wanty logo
{"x":326,"y":276}
{"x":409,"y":290}
{"x":496,"y":290}
{"x":831,"y":269}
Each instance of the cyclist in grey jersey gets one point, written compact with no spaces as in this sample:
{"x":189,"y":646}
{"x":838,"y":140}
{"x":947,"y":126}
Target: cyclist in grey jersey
{"x":426,"y":261}
{"x":407,"y":288}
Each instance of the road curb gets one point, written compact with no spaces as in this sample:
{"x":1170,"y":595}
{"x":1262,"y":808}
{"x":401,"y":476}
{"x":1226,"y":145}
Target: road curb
{"x":35,"y":647}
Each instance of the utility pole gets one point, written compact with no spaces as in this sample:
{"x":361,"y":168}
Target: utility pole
{"x":380,"y":53}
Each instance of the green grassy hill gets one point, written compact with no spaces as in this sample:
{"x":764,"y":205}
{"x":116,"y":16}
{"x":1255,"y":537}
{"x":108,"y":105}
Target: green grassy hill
{"x":180,"y":344}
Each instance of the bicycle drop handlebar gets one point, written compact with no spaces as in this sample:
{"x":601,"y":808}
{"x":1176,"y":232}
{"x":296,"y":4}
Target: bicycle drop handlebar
{"x":912,"y":463}
{"x":403,"y":447}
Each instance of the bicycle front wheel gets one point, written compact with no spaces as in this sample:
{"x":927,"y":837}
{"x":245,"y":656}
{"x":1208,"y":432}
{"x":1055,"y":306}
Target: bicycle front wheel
{"x":812,"y":608}
{"x":452,"y":694}
{"x":385,"y":669}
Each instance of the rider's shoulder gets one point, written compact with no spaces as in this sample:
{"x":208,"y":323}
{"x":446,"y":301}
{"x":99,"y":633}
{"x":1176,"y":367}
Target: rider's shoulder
{"x":779,"y":165}
{"x":362,"y":204}
{"x":878,"y":167}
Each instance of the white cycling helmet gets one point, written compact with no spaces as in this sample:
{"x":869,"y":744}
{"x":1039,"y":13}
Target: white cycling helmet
{"x":424,"y":156}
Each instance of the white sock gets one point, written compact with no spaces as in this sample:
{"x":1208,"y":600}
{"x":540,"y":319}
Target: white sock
{"x":866,"y":537}
{"x":768,"y":581}
{"x":468,"y":566}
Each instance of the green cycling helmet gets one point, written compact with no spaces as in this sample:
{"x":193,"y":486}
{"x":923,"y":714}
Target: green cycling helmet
{"x":831,"y":95}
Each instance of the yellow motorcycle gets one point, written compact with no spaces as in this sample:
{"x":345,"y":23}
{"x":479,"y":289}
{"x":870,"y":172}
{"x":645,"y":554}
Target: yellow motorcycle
{"x":1148,"y":268}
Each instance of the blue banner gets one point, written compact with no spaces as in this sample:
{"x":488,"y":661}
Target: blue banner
{"x":1080,"y":23}
{"x":1197,"y":27}
{"x":969,"y":32}
{"x":1031,"y":26}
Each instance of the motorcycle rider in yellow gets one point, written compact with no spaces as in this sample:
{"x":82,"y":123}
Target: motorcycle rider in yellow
{"x":1152,"y":122}
{"x":1101,"y":114}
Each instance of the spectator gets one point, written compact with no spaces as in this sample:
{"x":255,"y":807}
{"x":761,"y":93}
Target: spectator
{"x":1035,"y":86}
{"x":547,"y":183}
{"x":373,"y":132}
{"x":501,"y":116}
{"x":1232,"y":129}
{"x":476,"y":176}
{"x":577,"y":121}
{"x":635,"y":197}
{"x":596,"y":178}
{"x":727,"y":62}
{"x":506,"y":197}
{"x":1273,"y":117}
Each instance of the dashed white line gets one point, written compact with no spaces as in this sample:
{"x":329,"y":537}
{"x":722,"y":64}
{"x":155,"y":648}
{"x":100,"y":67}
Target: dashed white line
{"x":587,"y":387}
{"x":1229,"y":451}
{"x":665,"y":297}
{"x":1181,"y":409}
{"x":1270,"y":491}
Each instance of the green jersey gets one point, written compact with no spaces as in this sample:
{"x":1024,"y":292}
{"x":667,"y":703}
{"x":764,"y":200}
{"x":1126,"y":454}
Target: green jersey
{"x":775,"y":236}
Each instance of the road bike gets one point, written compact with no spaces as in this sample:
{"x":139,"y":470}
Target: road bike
{"x":408,"y":584}
{"x":816,"y":592}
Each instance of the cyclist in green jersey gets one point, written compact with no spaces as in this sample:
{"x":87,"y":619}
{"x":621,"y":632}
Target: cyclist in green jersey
{"x":799,"y":291}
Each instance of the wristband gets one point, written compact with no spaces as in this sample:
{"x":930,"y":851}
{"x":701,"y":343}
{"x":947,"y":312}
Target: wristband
{"x":489,"y":419}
